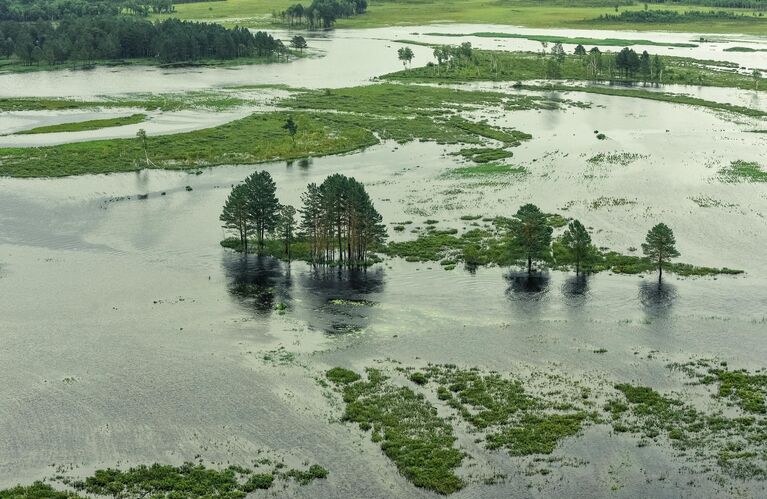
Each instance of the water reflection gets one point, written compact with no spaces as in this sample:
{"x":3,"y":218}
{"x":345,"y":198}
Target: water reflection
{"x":657,"y":299}
{"x":260,"y":283}
{"x":527,"y":291}
{"x":330,"y":299}
{"x":576,"y":290}
{"x":338,"y":300}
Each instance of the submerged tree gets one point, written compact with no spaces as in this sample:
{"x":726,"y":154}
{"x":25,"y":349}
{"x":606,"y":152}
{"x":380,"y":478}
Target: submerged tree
{"x":340,"y":221}
{"x":405,"y":54}
{"x":578,"y":243}
{"x":660,"y":246}
{"x":236,"y":216}
{"x":298,"y":42}
{"x":262,"y":204}
{"x":286,"y":221}
{"x":531,"y":234}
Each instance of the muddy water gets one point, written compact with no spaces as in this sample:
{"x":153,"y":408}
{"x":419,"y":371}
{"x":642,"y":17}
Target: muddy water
{"x":127,"y":335}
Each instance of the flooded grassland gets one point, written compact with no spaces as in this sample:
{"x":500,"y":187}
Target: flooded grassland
{"x":131,"y":337}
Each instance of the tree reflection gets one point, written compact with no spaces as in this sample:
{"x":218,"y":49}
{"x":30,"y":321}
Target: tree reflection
{"x":527,"y":291}
{"x":339,"y":299}
{"x":657,"y":299}
{"x":259,"y":282}
{"x":575,"y":290}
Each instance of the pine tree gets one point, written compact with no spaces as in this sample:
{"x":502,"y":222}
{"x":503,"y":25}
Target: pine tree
{"x":262,"y":204}
{"x":578,"y":243}
{"x":235,"y":215}
{"x":531,"y":234}
{"x":660,"y":246}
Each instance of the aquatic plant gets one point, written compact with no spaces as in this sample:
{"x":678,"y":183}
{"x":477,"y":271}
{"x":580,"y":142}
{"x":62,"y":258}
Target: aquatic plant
{"x":412,"y":435}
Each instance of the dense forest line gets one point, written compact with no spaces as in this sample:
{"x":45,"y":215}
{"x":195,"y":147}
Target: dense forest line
{"x":669,"y":16}
{"x":88,"y":39}
{"x":732,"y":4}
{"x":53,"y":10}
{"x":322,"y":13}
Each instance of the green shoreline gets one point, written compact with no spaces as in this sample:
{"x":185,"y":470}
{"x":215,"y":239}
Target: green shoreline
{"x":615,"y":42}
{"x":10,"y":66}
{"x":84,"y":126}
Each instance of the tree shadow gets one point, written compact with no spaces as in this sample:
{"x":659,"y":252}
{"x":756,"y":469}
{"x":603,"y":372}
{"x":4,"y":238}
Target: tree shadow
{"x":259,"y":282}
{"x":527,"y":291}
{"x":657,"y":299}
{"x":576,"y":291}
{"x":340,"y":300}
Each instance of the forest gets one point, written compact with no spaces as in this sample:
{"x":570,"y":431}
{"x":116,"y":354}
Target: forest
{"x":668,"y":16}
{"x":88,"y":39}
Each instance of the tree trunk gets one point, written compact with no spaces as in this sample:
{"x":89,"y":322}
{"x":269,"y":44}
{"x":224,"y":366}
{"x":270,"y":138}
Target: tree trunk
{"x":660,"y":271}
{"x":529,"y":265}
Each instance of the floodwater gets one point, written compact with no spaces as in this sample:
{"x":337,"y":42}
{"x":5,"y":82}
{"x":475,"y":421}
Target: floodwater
{"x":128,"y":335}
{"x":344,"y":58}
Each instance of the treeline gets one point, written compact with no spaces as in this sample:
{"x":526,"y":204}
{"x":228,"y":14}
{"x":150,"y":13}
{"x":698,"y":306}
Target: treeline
{"x":54,"y":10}
{"x":597,"y":65}
{"x":732,"y":4}
{"x":47,"y":10}
{"x":322,"y":13}
{"x":337,"y":223}
{"x":120,"y":37}
{"x":626,"y":64}
{"x":667,"y":16}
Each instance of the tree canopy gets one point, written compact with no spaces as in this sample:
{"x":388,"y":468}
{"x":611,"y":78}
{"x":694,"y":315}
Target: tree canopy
{"x":578,"y":243}
{"x":340,"y":221}
{"x":531,"y":234}
{"x":125,"y":37}
{"x":660,"y":246}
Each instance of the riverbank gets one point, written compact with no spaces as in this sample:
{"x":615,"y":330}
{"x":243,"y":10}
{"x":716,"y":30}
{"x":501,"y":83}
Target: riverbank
{"x":14,"y":66}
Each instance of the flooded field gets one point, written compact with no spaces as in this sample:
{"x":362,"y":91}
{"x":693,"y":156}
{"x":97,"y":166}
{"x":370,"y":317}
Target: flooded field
{"x":129,"y":335}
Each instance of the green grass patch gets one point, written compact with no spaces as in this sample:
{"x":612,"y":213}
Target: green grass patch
{"x":551,"y":14}
{"x":329,"y":122}
{"x":163,"y":481}
{"x":743,"y":171}
{"x":491,"y":169}
{"x":483,"y":154}
{"x":743,"y":49}
{"x":491,"y":65}
{"x":37,"y":490}
{"x":614,"y":42}
{"x":256,"y":138}
{"x":83,"y":126}
{"x":341,"y":376}
{"x":412,"y":435}
{"x":492,"y":246}
{"x":213,"y":100}
{"x":500,"y":407}
{"x":736,"y":444}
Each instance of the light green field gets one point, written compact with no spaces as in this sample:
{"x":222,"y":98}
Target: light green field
{"x":82,"y":126}
{"x":257,"y":13}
